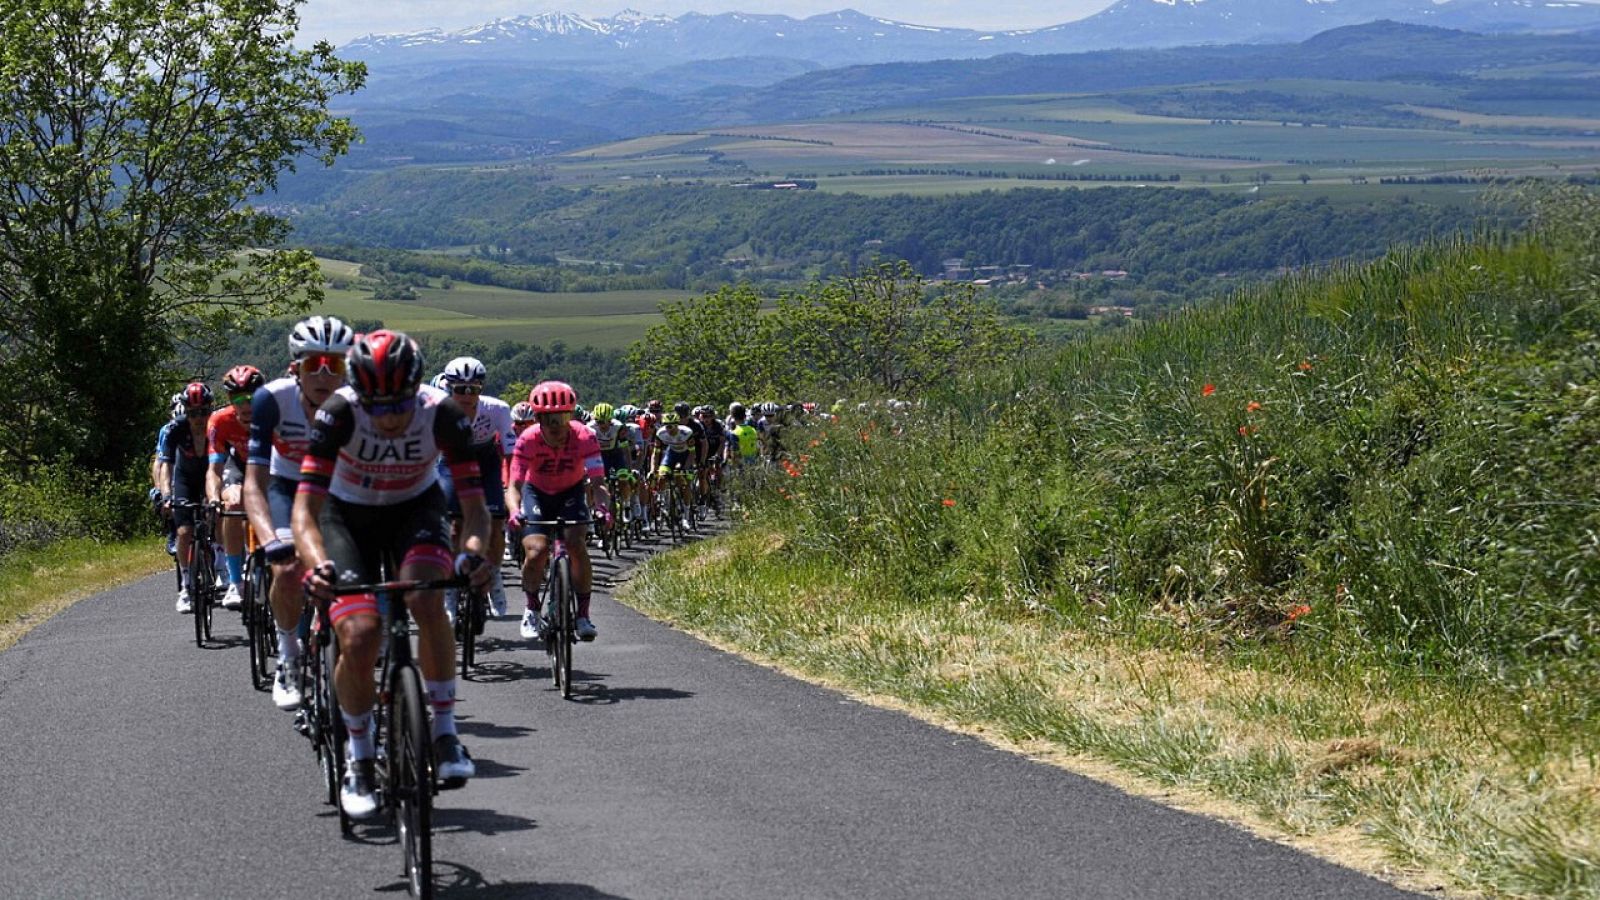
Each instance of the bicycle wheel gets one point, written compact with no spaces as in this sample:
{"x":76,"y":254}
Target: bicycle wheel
{"x":199,"y":587}
{"x":330,"y":728}
{"x":266,"y":622}
{"x":469,"y":624}
{"x":254,"y":599}
{"x":566,"y":627}
{"x":411,"y":779}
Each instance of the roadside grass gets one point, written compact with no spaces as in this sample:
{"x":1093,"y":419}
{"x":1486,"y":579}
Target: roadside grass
{"x":36,"y":584}
{"x":1326,"y":553}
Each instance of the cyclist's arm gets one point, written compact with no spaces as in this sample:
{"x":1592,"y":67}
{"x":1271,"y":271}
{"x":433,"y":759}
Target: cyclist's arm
{"x":452,"y":431}
{"x":263,"y":421}
{"x":331,"y":427}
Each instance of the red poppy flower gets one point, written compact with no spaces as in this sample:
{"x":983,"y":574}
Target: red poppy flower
{"x":1252,"y":406}
{"x":1305,"y":365}
{"x":1208,"y":390}
{"x":1245,"y":430}
{"x":948,"y":502}
{"x":1299,"y":611}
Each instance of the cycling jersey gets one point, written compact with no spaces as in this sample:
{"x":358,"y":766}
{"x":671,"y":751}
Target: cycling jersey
{"x":551,"y":470}
{"x":279,"y":432}
{"x":675,"y":437}
{"x":747,"y":441}
{"x":714,"y":439}
{"x":161,"y":438}
{"x":226,"y":436}
{"x":348,"y":458}
{"x":493,"y":424}
{"x":608,"y":435}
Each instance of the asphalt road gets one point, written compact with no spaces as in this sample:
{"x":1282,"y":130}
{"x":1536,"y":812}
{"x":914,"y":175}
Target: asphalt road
{"x":133,"y":764}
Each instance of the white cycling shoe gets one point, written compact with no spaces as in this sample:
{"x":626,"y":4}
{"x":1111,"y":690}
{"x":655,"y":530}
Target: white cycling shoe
{"x":231,"y":598}
{"x":530,"y":625}
{"x":184,"y":606}
{"x":356,"y":796}
{"x":285,"y":694}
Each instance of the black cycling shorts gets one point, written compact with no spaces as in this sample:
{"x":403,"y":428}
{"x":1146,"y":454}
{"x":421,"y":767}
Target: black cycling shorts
{"x":571,"y":504}
{"x":356,"y":536}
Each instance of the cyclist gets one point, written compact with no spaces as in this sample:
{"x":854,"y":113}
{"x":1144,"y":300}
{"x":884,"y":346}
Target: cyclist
{"x":161,"y":474}
{"x":615,"y":452}
{"x":771,"y":428}
{"x":554,"y":468}
{"x":185,"y":459}
{"x":492,"y":440}
{"x":674,"y":451}
{"x":228,"y":441}
{"x":369,"y":484}
{"x":716,"y":454}
{"x":280,"y":429}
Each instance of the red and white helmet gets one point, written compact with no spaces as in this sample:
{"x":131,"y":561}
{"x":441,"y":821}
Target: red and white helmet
{"x":552,"y":397}
{"x":196,"y":394}
{"x":243,"y":380}
{"x":385,"y":366}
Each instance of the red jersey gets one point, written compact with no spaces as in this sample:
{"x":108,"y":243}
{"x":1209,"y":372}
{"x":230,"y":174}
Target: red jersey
{"x":227,"y":436}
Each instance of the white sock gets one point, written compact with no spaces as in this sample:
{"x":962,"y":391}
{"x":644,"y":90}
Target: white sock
{"x":288,"y":646}
{"x":360,"y":730}
{"x":442,"y":699}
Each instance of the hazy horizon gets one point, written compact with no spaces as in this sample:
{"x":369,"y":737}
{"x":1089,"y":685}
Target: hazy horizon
{"x":340,"y":21}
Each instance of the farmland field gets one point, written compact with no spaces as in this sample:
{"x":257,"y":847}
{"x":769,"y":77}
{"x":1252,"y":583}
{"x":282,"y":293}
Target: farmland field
{"x":606,"y":319}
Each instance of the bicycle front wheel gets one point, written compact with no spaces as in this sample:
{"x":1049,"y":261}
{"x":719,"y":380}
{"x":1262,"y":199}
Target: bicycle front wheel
{"x":566,"y":627}
{"x":411,"y":780}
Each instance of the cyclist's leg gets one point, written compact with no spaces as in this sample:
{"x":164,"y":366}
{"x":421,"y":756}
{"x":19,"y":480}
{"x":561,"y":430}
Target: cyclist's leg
{"x":349,"y":534}
{"x":535,"y":551}
{"x":574,"y":505}
{"x":288,"y":600}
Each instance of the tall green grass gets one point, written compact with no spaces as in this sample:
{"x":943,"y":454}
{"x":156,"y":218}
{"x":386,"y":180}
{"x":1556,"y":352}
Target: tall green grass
{"x":1328,"y":550}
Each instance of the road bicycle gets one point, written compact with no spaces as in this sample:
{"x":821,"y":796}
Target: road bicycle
{"x":472,"y":612}
{"x":261,"y":630}
{"x":202,"y":567}
{"x":559,"y":605}
{"x":404,"y":765}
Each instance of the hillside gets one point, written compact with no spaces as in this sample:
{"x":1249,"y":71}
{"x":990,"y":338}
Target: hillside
{"x":1320,"y":558}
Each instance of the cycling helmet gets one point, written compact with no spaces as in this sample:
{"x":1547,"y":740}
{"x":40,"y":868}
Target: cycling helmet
{"x":320,"y":334}
{"x":581,"y":414}
{"x":682,"y":409}
{"x":522,"y":412}
{"x":770,"y":409}
{"x":736,"y":410}
{"x":385,"y":366}
{"x":670,"y":418}
{"x":463,"y":369}
{"x":243,"y":380}
{"x":654,"y":406}
{"x":440,"y":382}
{"x":628,"y":413}
{"x":604,"y":412}
{"x":553,"y":396}
{"x":194,"y":394}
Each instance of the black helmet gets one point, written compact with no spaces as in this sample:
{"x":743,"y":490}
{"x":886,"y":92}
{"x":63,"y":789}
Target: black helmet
{"x":385,"y":367}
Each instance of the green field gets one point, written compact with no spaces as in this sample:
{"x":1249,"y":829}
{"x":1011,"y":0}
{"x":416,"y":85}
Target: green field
{"x":606,"y":319}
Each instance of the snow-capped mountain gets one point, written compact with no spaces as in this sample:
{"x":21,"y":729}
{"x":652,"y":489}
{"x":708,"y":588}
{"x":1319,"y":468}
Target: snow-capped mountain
{"x":848,"y":37}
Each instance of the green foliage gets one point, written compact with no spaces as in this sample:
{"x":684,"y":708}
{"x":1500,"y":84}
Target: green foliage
{"x":1394,"y":461}
{"x":59,"y":502}
{"x":131,"y":134}
{"x":881,"y":331}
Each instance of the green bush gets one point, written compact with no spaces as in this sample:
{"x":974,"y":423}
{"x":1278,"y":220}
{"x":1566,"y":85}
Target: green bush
{"x":1399,"y":459}
{"x":58,"y":501}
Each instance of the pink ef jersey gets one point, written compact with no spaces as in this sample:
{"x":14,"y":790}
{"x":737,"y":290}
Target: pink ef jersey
{"x":551,"y":470}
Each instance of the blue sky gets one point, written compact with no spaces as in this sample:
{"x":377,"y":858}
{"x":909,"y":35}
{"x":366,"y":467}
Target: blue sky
{"x":341,"y":20}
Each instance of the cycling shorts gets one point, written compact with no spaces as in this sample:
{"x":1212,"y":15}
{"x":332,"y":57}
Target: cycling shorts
{"x":571,"y":504}
{"x":677,"y":461}
{"x":280,"y":505}
{"x":188,"y":486}
{"x":494,"y":491}
{"x":356,"y":537}
{"x":616,"y":459}
{"x":232,"y":473}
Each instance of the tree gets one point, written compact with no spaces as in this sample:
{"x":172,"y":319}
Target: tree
{"x":133,"y":134}
{"x":716,"y":348}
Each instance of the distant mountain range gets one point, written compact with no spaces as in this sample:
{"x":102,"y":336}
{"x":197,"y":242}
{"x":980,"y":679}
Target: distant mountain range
{"x":631,"y":39}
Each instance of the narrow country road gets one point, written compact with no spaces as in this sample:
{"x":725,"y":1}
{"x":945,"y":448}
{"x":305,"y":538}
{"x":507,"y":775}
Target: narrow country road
{"x":138,"y":766}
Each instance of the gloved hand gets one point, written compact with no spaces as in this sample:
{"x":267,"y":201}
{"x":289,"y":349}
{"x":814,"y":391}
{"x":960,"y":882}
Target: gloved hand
{"x":320,"y":582}
{"x":472,"y":566}
{"x":156,"y":498}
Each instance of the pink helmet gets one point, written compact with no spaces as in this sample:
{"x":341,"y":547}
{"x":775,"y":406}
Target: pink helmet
{"x":553,"y":396}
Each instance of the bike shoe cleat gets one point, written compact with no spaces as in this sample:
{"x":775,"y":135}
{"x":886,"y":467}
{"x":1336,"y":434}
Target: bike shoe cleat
{"x":356,"y":796}
{"x":454,"y":763}
{"x":586,"y":629}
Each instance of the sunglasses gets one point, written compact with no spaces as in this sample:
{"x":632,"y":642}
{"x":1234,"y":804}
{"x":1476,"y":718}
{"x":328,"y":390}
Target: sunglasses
{"x":240,"y":400}
{"x":396,"y":408}
{"x":473,"y":389}
{"x":322,"y":363}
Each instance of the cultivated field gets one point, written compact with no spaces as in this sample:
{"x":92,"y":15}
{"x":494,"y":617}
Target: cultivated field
{"x":603,"y":319}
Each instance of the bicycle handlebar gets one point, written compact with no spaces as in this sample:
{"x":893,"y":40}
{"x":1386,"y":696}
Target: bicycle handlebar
{"x":390,"y":587}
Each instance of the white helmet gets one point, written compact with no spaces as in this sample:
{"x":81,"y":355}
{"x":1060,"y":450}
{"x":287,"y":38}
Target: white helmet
{"x":320,"y":334}
{"x":464,"y":369}
{"x":441,"y":382}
